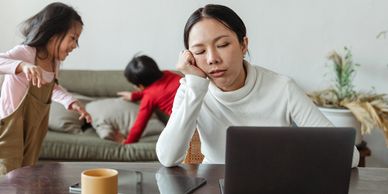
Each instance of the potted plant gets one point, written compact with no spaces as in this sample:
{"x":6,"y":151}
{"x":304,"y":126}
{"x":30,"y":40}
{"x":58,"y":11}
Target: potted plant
{"x":346,"y":107}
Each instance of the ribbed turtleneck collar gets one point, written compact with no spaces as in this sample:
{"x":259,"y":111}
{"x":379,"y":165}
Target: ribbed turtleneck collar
{"x":233,"y":96}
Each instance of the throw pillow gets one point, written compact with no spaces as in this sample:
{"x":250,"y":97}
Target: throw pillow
{"x":63,"y":120}
{"x":114,"y":115}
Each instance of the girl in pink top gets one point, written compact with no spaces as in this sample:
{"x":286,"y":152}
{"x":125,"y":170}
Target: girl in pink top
{"x":30,"y":83}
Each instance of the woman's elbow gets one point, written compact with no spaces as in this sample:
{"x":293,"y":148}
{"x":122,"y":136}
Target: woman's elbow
{"x":165,"y":161}
{"x":163,"y":157}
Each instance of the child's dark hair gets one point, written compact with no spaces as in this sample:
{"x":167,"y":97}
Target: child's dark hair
{"x":142,"y":70}
{"x":55,"y":19}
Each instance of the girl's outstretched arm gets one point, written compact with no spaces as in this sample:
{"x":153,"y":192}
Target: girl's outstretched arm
{"x":61,"y":96}
{"x":11,"y":60}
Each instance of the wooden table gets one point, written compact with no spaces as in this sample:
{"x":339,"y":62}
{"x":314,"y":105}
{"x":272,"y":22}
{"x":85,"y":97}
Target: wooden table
{"x":54,"y":177}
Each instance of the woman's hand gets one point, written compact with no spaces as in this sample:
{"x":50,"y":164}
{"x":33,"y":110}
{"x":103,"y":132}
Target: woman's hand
{"x":33,"y":73}
{"x":125,"y":95}
{"x":77,"y":106}
{"x":187,"y":65}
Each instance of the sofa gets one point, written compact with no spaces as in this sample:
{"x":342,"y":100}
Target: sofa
{"x":69,"y":139}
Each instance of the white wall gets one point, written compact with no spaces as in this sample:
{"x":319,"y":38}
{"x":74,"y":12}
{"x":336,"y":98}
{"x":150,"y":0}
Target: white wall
{"x":290,"y":37}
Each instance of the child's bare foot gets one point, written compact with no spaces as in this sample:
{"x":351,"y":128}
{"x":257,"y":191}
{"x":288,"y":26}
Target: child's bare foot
{"x":118,"y":137}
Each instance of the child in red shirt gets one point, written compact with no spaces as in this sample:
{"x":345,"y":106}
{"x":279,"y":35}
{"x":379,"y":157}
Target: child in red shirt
{"x":156,"y":89}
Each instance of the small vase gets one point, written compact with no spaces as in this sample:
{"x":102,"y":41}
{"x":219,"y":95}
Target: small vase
{"x":343,"y":118}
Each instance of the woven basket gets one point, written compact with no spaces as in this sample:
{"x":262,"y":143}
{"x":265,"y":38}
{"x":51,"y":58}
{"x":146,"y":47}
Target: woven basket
{"x":194,"y":155}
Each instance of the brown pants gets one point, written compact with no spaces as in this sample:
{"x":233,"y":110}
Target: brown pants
{"x":22,"y":132}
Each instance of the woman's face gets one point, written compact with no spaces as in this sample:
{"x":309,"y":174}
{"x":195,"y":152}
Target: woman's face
{"x":69,"y":42}
{"x":218,"y":53}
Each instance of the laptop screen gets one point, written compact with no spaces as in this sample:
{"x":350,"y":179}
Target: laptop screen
{"x":288,"y":159}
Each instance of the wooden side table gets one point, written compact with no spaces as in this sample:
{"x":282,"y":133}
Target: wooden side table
{"x":364,"y":152}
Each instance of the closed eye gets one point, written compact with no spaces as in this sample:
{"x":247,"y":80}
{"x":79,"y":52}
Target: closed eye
{"x":199,"y":52}
{"x":223,"y":45}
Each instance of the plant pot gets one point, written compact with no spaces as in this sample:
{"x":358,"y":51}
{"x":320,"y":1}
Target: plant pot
{"x":343,"y":118}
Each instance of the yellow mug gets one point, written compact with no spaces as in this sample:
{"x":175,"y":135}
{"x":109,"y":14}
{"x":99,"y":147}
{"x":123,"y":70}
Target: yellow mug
{"x":99,"y":181}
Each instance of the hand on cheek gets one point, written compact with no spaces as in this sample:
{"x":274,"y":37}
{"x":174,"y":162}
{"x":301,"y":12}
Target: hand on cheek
{"x":187,"y":64}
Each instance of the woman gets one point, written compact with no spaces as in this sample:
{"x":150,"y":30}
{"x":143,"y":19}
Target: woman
{"x":221,"y":89}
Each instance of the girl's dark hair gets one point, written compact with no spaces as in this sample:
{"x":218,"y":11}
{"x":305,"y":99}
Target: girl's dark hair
{"x":223,"y":14}
{"x":142,"y":70}
{"x":55,"y":19}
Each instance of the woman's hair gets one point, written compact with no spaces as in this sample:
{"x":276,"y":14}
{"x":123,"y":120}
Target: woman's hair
{"x":55,"y":19}
{"x":223,"y":14}
{"x":142,"y":70}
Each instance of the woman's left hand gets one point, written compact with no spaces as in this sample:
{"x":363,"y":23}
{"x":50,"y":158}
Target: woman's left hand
{"x":77,"y":106}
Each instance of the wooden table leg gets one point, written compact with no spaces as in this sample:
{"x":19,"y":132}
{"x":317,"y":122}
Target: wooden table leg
{"x":364,"y":152}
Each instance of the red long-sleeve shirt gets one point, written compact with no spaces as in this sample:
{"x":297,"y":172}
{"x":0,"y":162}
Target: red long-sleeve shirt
{"x":159,"y":94}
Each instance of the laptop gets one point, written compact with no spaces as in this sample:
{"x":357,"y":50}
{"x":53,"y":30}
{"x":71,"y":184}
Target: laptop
{"x":281,"y":160}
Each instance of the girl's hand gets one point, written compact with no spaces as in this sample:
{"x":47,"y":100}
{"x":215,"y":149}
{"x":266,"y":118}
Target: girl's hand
{"x":77,"y":106}
{"x":187,"y":65}
{"x":125,"y":95}
{"x":33,"y":73}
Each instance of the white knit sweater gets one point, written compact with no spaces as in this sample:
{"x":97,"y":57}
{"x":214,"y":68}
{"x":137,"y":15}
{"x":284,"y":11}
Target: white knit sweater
{"x":266,"y":99}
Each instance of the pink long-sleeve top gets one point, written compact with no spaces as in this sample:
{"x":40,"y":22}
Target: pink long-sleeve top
{"x":15,"y":85}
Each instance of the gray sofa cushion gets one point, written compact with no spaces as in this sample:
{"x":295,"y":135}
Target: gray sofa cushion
{"x":115,"y":115}
{"x":89,"y":147}
{"x":63,"y":120}
{"x":112,"y":115}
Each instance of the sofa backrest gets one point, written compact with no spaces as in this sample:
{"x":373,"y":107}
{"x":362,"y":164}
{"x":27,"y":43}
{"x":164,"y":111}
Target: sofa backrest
{"x":94,"y":83}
